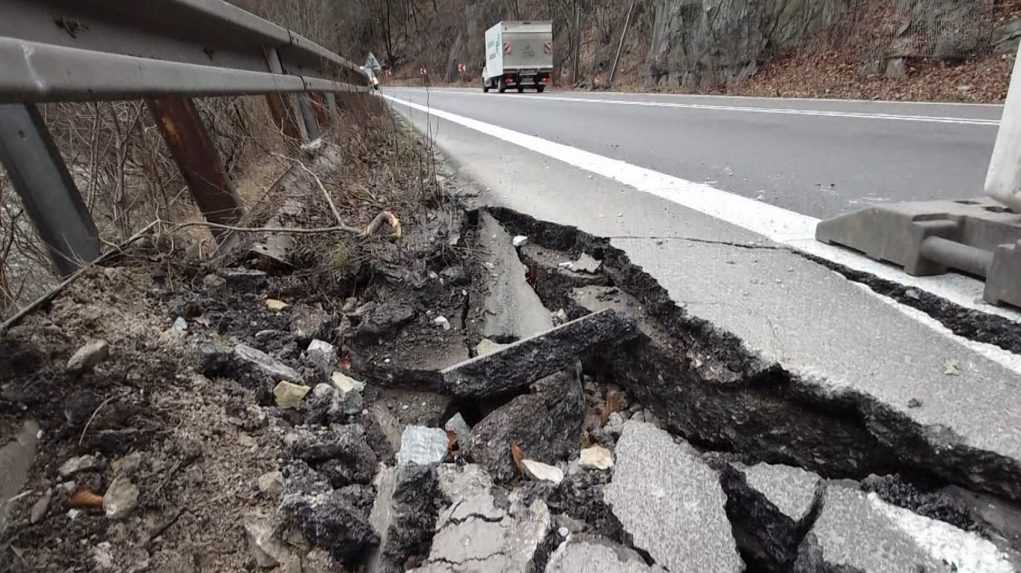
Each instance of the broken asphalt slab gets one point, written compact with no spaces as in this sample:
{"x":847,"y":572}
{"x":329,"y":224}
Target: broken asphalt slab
{"x":671,"y":503}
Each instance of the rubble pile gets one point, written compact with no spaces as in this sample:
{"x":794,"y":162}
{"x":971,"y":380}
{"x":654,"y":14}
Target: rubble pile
{"x":563,"y":416}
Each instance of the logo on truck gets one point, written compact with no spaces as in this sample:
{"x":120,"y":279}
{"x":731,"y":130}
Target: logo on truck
{"x":507,"y":48}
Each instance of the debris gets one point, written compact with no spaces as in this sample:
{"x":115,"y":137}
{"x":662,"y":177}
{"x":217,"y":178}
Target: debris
{"x":460,"y":428}
{"x":952,"y":368}
{"x":78,"y":464}
{"x":442,"y":322}
{"x":659,"y":486}
{"x":383,"y":318}
{"x":120,"y":499}
{"x":275,"y":305}
{"x":213,"y":281}
{"x":403,"y":514}
{"x":560,"y":317}
{"x":245,"y":280}
{"x":180,"y":324}
{"x":542,"y":472}
{"x":308,"y":322}
{"x":127,"y":466}
{"x":615,"y":424}
{"x":339,"y":452}
{"x":40,"y":507}
{"x":596,"y":457}
{"x":454,"y":275}
{"x":545,"y":424}
{"x":860,"y":532}
{"x":422,"y":446}
{"x":336,"y":520}
{"x":345,"y":383}
{"x":327,"y":405}
{"x":322,"y":355}
{"x":519,"y":241}
{"x":266,"y":548}
{"x":526,"y":361}
{"x":589,"y":554}
{"x":88,"y":356}
{"x":271,"y":483}
{"x":487,"y":347}
{"x":510,"y":309}
{"x":266,"y":364}
{"x":288,"y":395}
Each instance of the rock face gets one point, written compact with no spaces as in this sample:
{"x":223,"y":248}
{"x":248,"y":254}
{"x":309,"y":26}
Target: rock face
{"x":660,"y":486}
{"x":859,"y":532}
{"x":546,"y":425}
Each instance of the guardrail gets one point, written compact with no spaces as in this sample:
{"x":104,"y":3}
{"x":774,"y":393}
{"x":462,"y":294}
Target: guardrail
{"x":167,"y":52}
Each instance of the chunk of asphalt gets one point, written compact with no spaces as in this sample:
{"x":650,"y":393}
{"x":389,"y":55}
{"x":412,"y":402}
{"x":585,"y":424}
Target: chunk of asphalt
{"x":266,"y":364}
{"x":403,"y":515}
{"x":771,"y":508}
{"x":337,"y":520}
{"x":511,"y":308}
{"x":340,"y":452}
{"x":856,"y":531}
{"x":586,"y":554}
{"x":522,"y":363}
{"x":661,"y":486}
{"x":546,"y":424}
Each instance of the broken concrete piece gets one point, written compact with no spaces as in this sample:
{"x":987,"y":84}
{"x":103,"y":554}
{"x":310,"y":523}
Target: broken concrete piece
{"x":587,"y":555}
{"x":120,"y":499}
{"x":525,"y":361}
{"x":545,"y":424}
{"x":78,"y":464}
{"x":266,"y":548}
{"x":266,"y":364}
{"x":345,"y":383}
{"x":596,"y":457}
{"x":288,"y":395}
{"x":511,"y":309}
{"x":770,"y":508}
{"x":660,"y":486}
{"x":542,"y":472}
{"x":403,"y":514}
{"x":473,"y":534}
{"x":856,"y":531}
{"x":322,"y":355}
{"x":460,"y":428}
{"x":88,"y":356}
{"x":422,"y":446}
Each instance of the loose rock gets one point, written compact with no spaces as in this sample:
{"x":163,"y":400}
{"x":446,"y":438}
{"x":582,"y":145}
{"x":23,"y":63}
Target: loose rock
{"x":289,"y":396}
{"x":422,"y":446}
{"x":403,"y":514}
{"x":266,"y":548}
{"x":275,"y":305}
{"x":88,"y":356}
{"x":127,"y":466}
{"x":323,"y":356}
{"x":40,"y":507}
{"x":308,"y":322}
{"x":660,"y":486}
{"x":121,"y":498}
{"x":271,"y":483}
{"x":265,"y":363}
{"x":336,"y":520}
{"x":460,"y":428}
{"x":78,"y":464}
{"x":340,"y":453}
{"x":542,"y":472}
{"x":596,"y":457}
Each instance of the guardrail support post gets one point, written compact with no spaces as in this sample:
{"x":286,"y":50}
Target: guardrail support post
{"x":301,"y":111}
{"x":197,"y":158}
{"x":47,"y":191}
{"x":319,"y":107}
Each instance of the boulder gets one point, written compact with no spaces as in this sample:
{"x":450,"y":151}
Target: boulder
{"x":660,"y":485}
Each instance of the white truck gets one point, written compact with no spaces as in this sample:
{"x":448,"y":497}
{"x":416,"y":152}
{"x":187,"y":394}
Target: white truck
{"x":518,"y":55}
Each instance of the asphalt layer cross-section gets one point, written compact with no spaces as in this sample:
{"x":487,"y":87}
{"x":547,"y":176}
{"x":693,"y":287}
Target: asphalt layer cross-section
{"x":789,"y":310}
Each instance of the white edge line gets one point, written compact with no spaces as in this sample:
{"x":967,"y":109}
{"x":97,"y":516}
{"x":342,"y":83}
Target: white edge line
{"x":779,"y":225}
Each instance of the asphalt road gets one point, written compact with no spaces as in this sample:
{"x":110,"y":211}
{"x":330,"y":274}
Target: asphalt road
{"x":624,"y":171}
{"x":816,"y":157}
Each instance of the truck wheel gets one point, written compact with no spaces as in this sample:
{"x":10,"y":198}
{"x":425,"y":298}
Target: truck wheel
{"x":485,"y":87}
{"x":540,"y":89}
{"x":503,"y":86}
{"x":521,"y":89}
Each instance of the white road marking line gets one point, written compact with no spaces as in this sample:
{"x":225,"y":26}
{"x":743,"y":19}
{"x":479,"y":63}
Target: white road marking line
{"x":762,"y":110}
{"x":777,"y":224}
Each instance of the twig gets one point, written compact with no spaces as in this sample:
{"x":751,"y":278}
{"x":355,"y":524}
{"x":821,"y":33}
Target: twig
{"x":92,"y":418}
{"x":21,"y":314}
{"x":384,"y":217}
{"x":293,"y":230}
{"x":319,"y":182}
{"x":161,"y":529}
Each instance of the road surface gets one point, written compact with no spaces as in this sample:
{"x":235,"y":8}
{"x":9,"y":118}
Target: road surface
{"x":718,"y":198}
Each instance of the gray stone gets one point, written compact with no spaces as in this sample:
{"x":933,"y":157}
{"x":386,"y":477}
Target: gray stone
{"x":473,"y":534}
{"x":659,"y":486}
{"x":403,"y":514}
{"x":615,"y":424}
{"x":460,"y":428}
{"x":588,"y":555}
{"x":859,"y":532}
{"x":545,"y":424}
{"x":180,"y":324}
{"x":542,"y":472}
{"x":78,"y":464}
{"x":271,"y":483}
{"x":289,"y":396}
{"x":120,"y":499}
{"x":323,"y":356}
{"x":40,"y":507}
{"x":383,"y":319}
{"x":266,"y":547}
{"x":266,"y":364}
{"x":510,"y":309}
{"x":308,"y":322}
{"x":88,"y":356}
{"x":324,"y":406}
{"x":340,"y":452}
{"x":422,"y":446}
{"x":770,"y":508}
{"x":127,"y":466}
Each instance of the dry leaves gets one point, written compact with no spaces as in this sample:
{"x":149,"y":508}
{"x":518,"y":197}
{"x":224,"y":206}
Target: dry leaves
{"x":519,"y":457}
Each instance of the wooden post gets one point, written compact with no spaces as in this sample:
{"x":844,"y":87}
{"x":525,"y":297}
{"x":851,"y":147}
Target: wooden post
{"x":197,"y":159}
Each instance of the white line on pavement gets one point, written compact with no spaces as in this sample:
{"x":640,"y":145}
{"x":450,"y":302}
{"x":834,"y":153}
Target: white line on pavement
{"x":754,"y":109}
{"x":775,"y":223}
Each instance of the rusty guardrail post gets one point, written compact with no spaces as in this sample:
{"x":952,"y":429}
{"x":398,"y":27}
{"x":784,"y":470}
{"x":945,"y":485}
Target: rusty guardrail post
{"x":197,"y":158}
{"x":291,"y":115}
{"x":47,"y":191}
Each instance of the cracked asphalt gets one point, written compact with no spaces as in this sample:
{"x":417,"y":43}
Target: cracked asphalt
{"x":813,"y":322}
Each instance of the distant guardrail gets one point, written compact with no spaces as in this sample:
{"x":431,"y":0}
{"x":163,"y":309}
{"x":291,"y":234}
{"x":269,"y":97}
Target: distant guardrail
{"x":167,"y":52}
